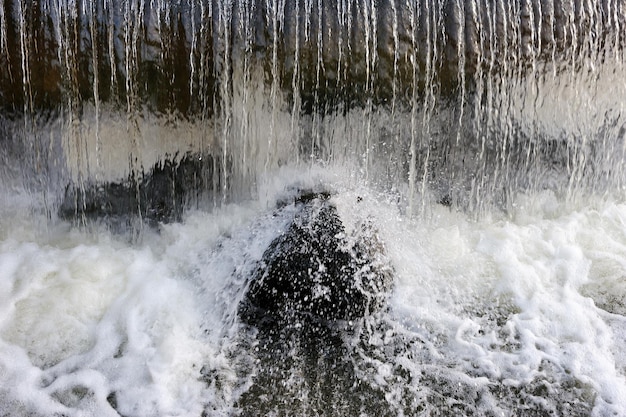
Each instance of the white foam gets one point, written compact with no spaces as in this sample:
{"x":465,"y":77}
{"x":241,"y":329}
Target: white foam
{"x":91,"y":322}
{"x":92,"y":318}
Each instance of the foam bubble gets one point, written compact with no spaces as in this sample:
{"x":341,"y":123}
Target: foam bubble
{"x":489,"y":315}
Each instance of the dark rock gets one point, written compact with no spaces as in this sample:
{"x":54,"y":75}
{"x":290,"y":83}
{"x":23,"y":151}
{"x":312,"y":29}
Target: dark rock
{"x":309,"y":370}
{"x":309,"y":285}
{"x":316,"y":270}
{"x":158,"y":196}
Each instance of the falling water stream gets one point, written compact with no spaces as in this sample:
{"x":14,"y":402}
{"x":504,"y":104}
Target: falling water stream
{"x":149,"y":150}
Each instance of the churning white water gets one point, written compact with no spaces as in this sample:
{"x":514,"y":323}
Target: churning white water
{"x":151,"y":152}
{"x":486,"y":317}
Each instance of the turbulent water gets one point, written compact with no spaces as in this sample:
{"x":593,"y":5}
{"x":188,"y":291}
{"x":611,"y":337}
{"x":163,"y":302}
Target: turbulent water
{"x":150,"y":152}
{"x":518,"y":315}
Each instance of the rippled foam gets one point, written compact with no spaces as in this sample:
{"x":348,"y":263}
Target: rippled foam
{"x":492,"y":316}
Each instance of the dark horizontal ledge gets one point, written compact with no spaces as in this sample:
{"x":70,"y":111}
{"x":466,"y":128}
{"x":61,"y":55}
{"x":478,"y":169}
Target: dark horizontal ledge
{"x":192,"y":57}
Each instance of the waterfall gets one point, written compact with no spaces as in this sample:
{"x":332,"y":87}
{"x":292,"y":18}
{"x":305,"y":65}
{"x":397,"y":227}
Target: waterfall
{"x":466,"y":101}
{"x":312,"y":207}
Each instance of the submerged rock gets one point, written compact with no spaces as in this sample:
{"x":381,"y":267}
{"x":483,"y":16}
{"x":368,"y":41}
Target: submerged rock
{"x":310,"y":281}
{"x":159,"y":195}
{"x":316,"y":270}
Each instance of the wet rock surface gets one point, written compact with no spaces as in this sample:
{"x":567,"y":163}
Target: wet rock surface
{"x":309,"y":369}
{"x":157,"y":196}
{"x":314,"y":286}
{"x":316,"y":270}
{"x":383,"y":50}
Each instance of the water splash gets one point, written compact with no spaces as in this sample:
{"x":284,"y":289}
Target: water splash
{"x":484,"y":139}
